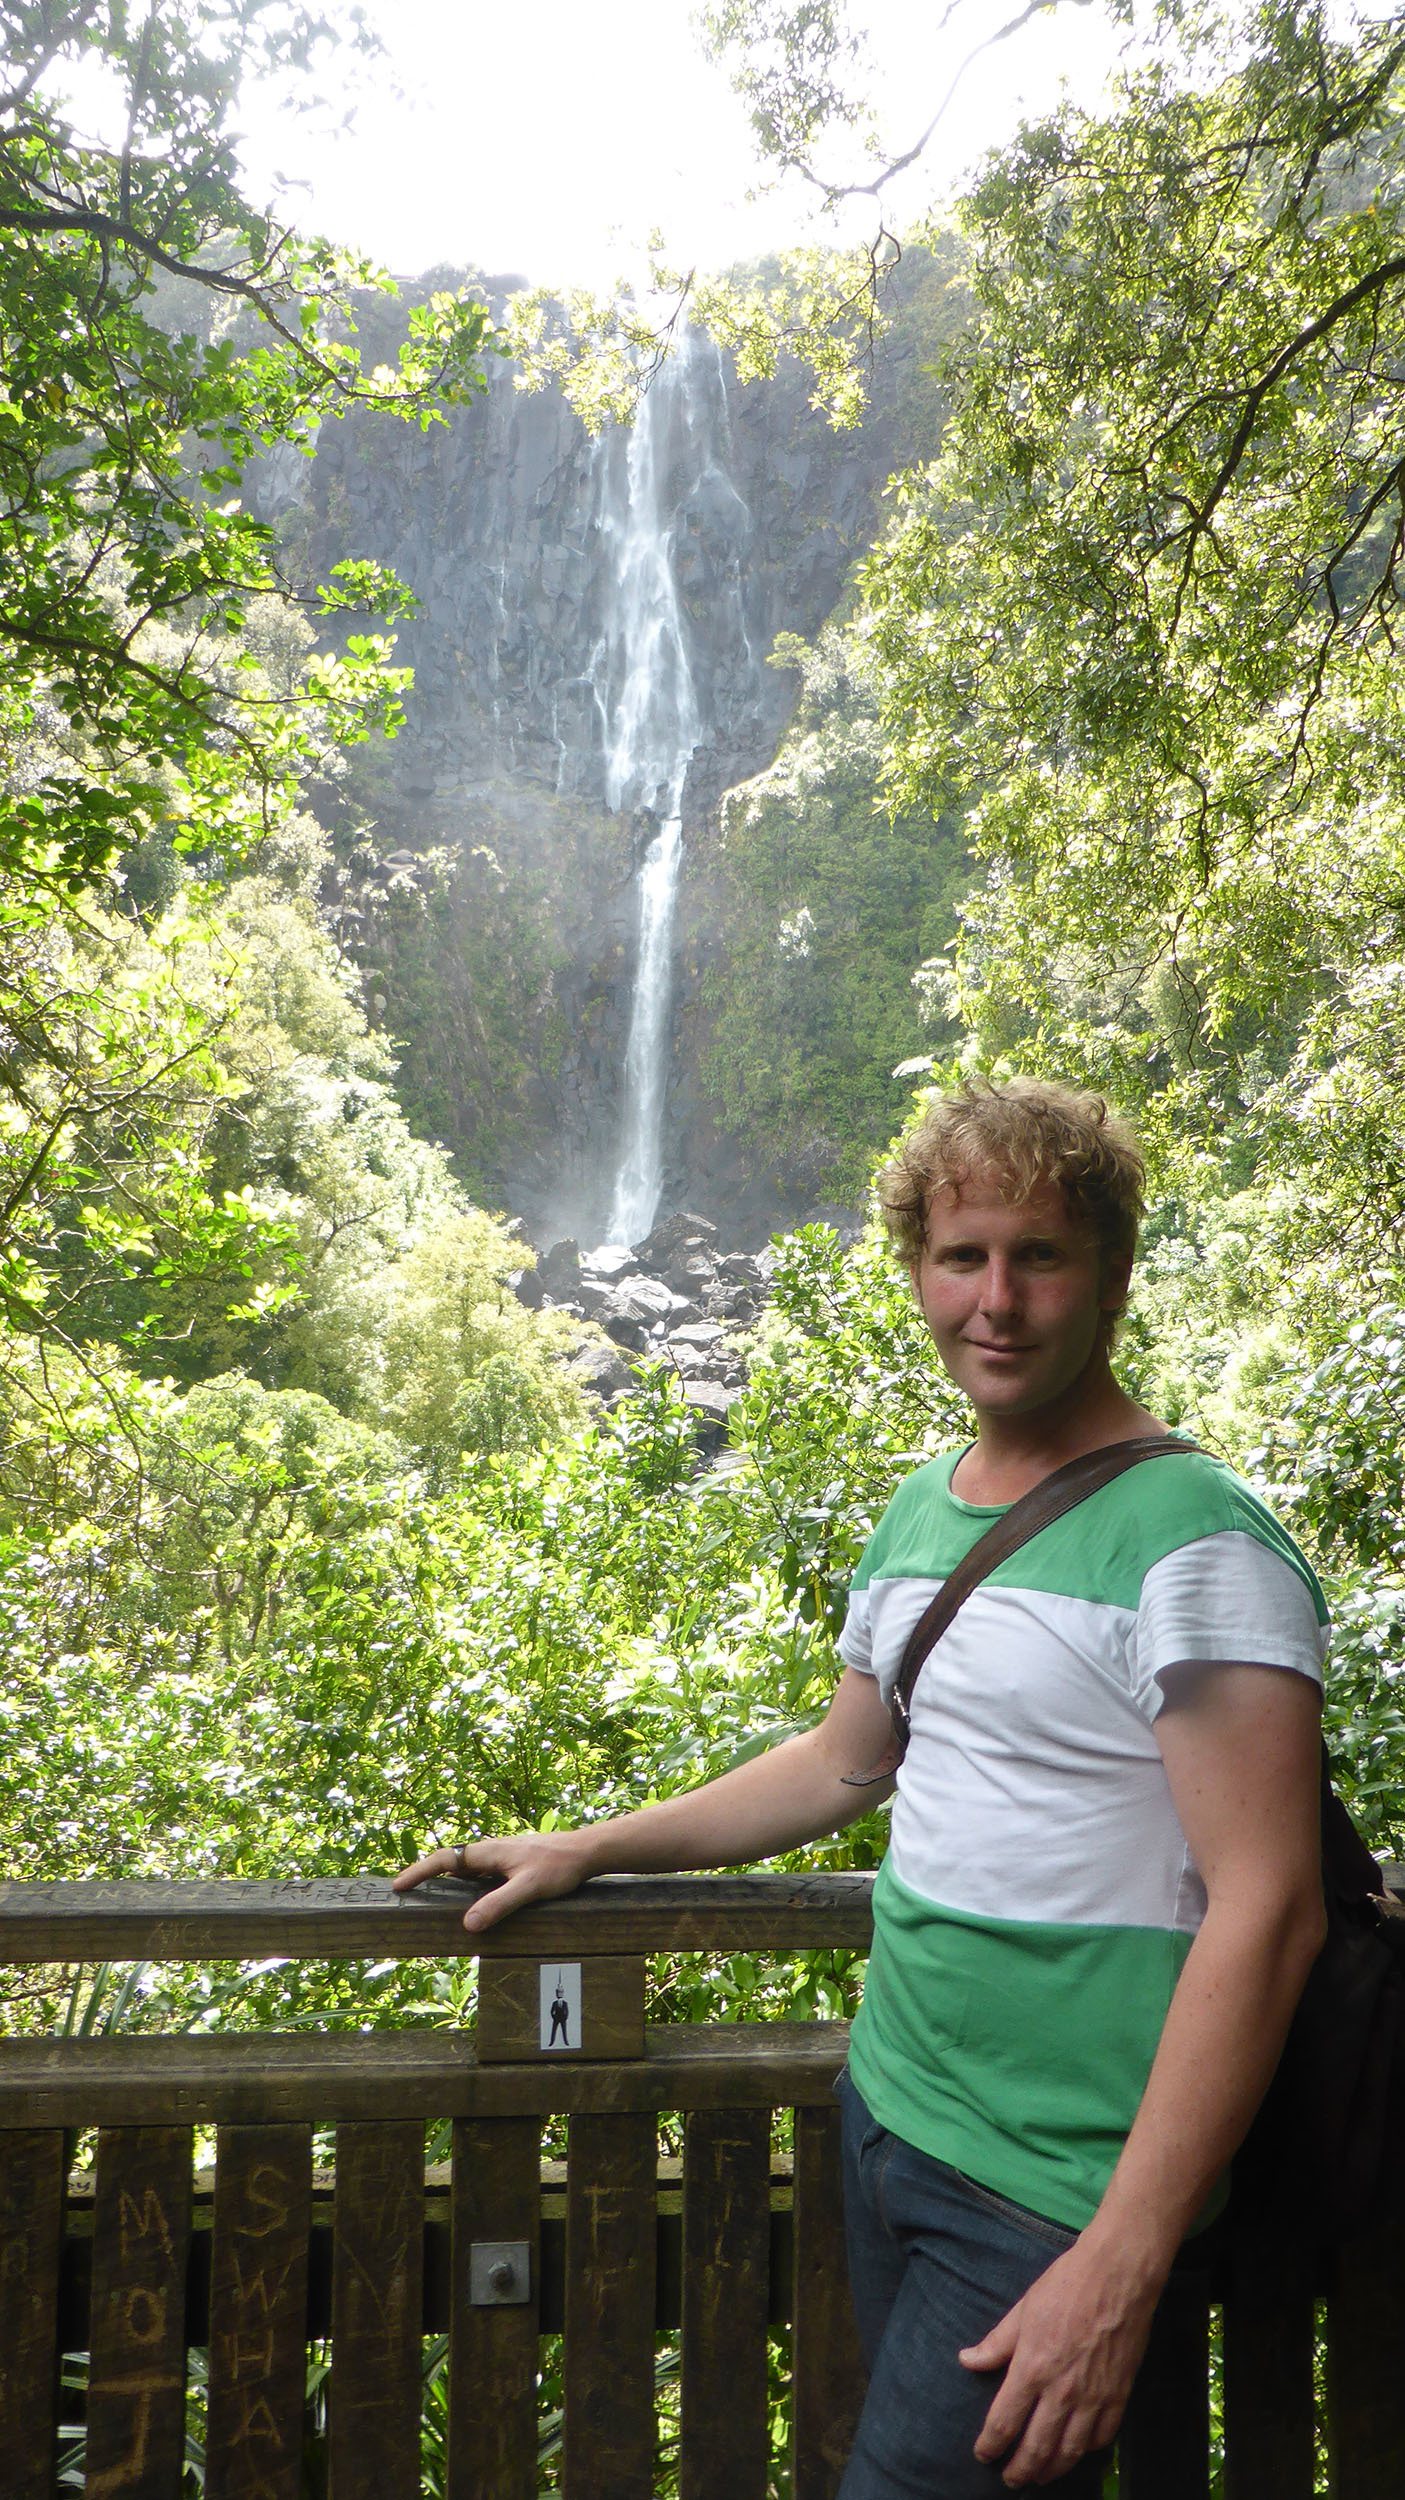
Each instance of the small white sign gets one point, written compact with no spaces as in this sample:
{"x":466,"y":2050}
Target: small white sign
{"x":560,"y":2005}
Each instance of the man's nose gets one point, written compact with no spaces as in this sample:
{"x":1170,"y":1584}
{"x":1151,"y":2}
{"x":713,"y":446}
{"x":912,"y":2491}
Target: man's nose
{"x":999,"y":1288}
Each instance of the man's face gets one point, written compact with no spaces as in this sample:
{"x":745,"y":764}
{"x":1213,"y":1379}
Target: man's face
{"x":1017,"y":1297}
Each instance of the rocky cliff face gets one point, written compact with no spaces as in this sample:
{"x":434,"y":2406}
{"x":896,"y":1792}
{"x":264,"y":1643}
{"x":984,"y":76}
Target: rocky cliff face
{"x":501,"y":520}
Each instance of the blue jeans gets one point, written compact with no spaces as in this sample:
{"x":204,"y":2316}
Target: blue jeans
{"x":934,"y":2263}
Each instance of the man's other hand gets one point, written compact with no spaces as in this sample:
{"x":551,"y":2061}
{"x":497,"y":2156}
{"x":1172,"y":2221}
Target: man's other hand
{"x":531,"y":1866}
{"x":1070,"y":2351}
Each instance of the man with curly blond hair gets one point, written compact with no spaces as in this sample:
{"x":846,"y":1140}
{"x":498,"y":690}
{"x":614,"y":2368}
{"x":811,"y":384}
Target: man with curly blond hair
{"x":1102,"y":1894}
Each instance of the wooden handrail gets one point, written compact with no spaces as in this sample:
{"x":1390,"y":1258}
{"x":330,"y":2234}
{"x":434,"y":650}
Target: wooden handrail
{"x":309,"y":1919}
{"x":262,"y":2078}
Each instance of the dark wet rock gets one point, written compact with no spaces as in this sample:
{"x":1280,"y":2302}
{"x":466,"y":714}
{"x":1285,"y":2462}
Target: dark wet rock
{"x":738,"y":1267}
{"x":609,"y":1262}
{"x":596,"y":1293}
{"x":559,"y":1269}
{"x":602,"y":1371}
{"x":689,"y":1272}
{"x":691,"y":1362}
{"x":709,"y":1405}
{"x":677,"y":1232}
{"x":728,"y":1302}
{"x":636,"y":1310}
{"x":650,"y":1298}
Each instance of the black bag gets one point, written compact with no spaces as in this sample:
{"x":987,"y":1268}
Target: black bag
{"x":1327,"y":2134}
{"x":1327,"y":2129}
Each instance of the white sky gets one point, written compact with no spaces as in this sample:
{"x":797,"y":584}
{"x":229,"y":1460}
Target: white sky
{"x":551,"y":138}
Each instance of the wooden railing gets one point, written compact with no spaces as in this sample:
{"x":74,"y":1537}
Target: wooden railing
{"x":320,"y":2238}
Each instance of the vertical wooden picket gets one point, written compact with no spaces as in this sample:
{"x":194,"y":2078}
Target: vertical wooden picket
{"x":493,"y":2349}
{"x":31,"y":2243}
{"x":258,"y":2313}
{"x":827,"y":2366}
{"x":377,"y":2312}
{"x":1268,"y":2365}
{"x":611,"y":2224}
{"x":1365,"y":2370}
{"x":726,"y":2259}
{"x":1164,"y":2450}
{"x":136,"y":2375}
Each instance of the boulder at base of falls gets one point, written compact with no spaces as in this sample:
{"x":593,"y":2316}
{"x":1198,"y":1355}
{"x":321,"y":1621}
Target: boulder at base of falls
{"x":699,"y":1362}
{"x":601,"y":1370}
{"x":689,"y":1272}
{"x":609,"y":1262}
{"x":709,"y":1405}
{"x":671,"y":1235}
{"x":526,"y":1283}
{"x":559,"y":1269}
{"x":730,"y":1303}
{"x":630,"y":1311}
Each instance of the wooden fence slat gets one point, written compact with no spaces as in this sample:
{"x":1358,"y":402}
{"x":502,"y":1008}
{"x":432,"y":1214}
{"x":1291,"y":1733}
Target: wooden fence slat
{"x":1366,"y":2368}
{"x":259,"y":2078}
{"x":493,"y":2352}
{"x":1268,"y":2363}
{"x":136,"y":2373}
{"x":611,"y":2206}
{"x":827,"y":2366}
{"x":31,"y":2245}
{"x":377,"y":2312}
{"x":258,"y":2313}
{"x":314,"y":1918}
{"x":726,"y":2260}
{"x":1164,"y":2451}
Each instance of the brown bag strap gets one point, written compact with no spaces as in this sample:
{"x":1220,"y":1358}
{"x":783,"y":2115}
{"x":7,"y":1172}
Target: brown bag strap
{"x":1038,"y":1509}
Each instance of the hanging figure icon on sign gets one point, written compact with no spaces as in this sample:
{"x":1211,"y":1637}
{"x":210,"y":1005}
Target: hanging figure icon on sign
{"x":560,"y":2005}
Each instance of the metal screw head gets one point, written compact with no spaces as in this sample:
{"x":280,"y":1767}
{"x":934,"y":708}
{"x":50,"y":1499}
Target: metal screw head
{"x":499,"y":2271}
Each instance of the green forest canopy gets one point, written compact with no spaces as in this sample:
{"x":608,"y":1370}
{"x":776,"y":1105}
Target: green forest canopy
{"x":308,"y":1549}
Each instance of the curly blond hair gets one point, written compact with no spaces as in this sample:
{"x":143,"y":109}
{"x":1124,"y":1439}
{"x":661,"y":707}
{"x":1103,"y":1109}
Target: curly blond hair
{"x":1021,"y":1134}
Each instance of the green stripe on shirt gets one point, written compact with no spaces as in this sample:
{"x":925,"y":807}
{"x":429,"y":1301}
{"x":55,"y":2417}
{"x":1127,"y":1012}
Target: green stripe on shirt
{"x":1102,"y":1550}
{"x":1015,"y":2051}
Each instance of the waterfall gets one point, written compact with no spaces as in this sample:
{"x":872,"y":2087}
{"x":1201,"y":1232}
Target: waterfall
{"x":651,"y":723}
{"x":640,"y":1175}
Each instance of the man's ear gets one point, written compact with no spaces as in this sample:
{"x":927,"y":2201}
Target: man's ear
{"x":914,"y":1270}
{"x":1116,"y":1284}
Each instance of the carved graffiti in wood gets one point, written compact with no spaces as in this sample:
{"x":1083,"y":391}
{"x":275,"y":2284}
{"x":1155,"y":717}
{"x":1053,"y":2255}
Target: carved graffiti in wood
{"x":136,"y":2378}
{"x":258,"y":2312}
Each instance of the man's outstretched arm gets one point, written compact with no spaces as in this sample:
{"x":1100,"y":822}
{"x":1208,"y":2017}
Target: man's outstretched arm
{"x":779,"y":1800}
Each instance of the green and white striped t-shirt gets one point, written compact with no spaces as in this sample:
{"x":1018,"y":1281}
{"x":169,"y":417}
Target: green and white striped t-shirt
{"x":1038,"y":1898}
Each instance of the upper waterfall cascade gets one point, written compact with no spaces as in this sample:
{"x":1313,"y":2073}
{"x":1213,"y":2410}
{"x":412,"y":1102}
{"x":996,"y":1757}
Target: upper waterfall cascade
{"x":589,"y":653}
{"x":651,"y":716}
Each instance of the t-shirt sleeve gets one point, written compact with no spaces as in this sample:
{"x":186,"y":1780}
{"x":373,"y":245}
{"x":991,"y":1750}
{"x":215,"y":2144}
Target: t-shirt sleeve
{"x":856,"y":1639}
{"x":1229,"y":1598}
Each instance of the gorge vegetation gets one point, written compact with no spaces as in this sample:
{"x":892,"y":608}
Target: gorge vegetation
{"x":311,"y":1548}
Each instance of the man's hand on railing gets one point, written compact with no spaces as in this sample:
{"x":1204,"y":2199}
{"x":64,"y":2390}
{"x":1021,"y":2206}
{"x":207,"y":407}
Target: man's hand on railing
{"x":531,"y":1866}
{"x":801,"y":1789}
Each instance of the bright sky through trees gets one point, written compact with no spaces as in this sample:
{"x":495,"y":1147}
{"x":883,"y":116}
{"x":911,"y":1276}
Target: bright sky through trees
{"x":551,"y":141}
